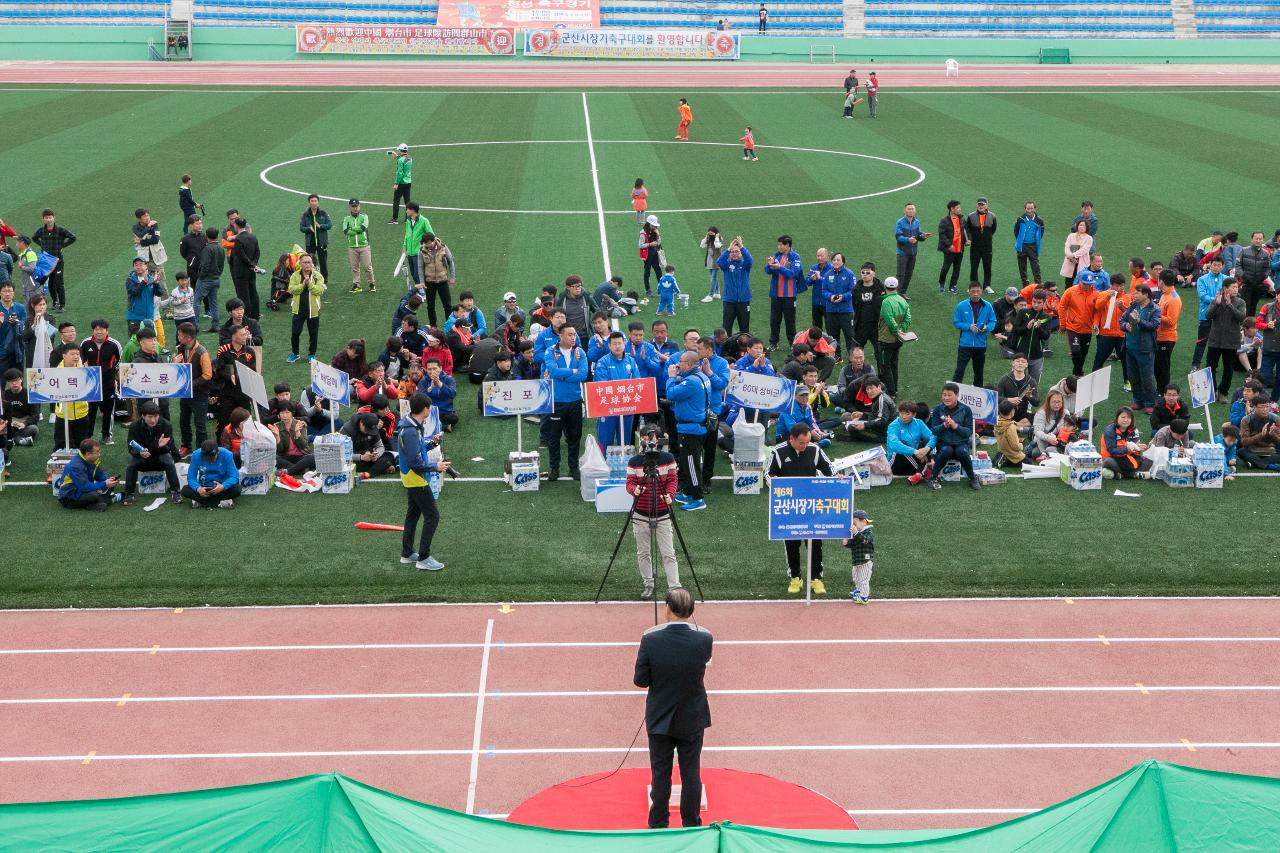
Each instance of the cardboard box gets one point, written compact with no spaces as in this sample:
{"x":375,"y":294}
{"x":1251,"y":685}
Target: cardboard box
{"x":152,"y":483}
{"x":1211,"y":465}
{"x":524,"y":477}
{"x":611,"y":496}
{"x":340,"y":483}
{"x":256,"y":484}
{"x":1082,"y":469}
{"x":1180,"y":473}
{"x":747,"y":479}
{"x":992,"y":477}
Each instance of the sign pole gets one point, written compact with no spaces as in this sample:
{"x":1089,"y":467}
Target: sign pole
{"x":622,"y":429}
{"x":66,"y":430}
{"x":808,"y":575}
{"x":1091,"y":424}
{"x":519,"y":434}
{"x":1208,"y":424}
{"x":333,"y":422}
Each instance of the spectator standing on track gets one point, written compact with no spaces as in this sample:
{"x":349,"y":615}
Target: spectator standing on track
{"x":314,"y":225}
{"x":764,"y":20}
{"x":1028,"y":232}
{"x":418,"y":435}
{"x":980,"y":227}
{"x":356,"y":226}
{"x":953,"y":236}
{"x":800,"y":456}
{"x":672,"y":660}
{"x":975,"y":319}
{"x":873,"y":93}
{"x":245,"y":255}
{"x":785,"y":271}
{"x":686,"y":119}
{"x":735,"y":263}
{"x":53,"y":238}
{"x":908,"y":236}
{"x":403,"y":182}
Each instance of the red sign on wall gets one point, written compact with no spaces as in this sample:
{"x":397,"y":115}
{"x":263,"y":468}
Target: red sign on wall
{"x":611,"y":398}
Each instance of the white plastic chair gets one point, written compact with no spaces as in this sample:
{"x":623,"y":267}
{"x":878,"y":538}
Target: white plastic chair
{"x":953,"y":68}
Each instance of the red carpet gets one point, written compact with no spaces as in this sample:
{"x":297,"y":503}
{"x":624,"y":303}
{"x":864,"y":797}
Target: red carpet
{"x":621,"y":801}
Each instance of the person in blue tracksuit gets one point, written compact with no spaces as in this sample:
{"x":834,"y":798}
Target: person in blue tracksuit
{"x":801,"y":413}
{"x":1028,"y":232}
{"x":566,"y":365}
{"x":952,"y":424}
{"x":140,"y":289}
{"x":616,"y":366}
{"x":786,"y":282}
{"x":1207,"y":287}
{"x":907,"y":235}
{"x":910,"y":443}
{"x":1094,"y":275}
{"x":643,"y":353}
{"x":837,"y":296}
{"x":975,"y":319}
{"x":83,"y":484}
{"x":716,"y":369}
{"x":735,"y":263}
{"x":689,"y":389}
{"x":813,"y":281}
{"x":753,"y":361}
{"x":212,"y":478}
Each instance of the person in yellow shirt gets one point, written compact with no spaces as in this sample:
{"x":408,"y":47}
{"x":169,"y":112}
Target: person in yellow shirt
{"x":686,"y":119}
{"x":75,"y":415}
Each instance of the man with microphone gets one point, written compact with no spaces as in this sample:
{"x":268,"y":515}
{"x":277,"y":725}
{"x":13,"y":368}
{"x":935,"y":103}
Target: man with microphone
{"x":672,"y":660}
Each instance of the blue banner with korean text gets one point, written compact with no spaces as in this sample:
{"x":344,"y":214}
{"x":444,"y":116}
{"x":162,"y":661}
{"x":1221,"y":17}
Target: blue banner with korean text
{"x":810,"y":508}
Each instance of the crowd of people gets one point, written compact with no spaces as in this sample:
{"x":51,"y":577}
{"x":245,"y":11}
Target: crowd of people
{"x":846,"y":361}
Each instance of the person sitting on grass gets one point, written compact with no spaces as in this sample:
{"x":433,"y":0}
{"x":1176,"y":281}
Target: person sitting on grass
{"x":1008,"y":444}
{"x":22,"y":418}
{"x":910,"y":443}
{"x":351,"y":359}
{"x":1259,"y":431}
{"x":1174,"y":436}
{"x":873,"y":411}
{"x":412,"y":336}
{"x":83,"y":484}
{"x":1052,"y":427}
{"x":1019,"y":387}
{"x":1169,"y":408}
{"x":233,"y":433}
{"x":293,"y":448}
{"x":1251,"y":390}
{"x":213,"y":480}
{"x":374,"y":382}
{"x":367,"y":446}
{"x":1229,"y":440}
{"x":801,"y":413}
{"x":388,"y":420}
{"x":438,"y":350}
{"x":1122,"y":450}
{"x":441,"y":390}
{"x":952,"y":425}
{"x":151,"y":448}
{"x":500,"y":372}
{"x":395,"y":359}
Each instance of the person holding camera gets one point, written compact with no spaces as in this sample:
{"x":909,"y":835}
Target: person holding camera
{"x":651,"y":479}
{"x":415,"y":441}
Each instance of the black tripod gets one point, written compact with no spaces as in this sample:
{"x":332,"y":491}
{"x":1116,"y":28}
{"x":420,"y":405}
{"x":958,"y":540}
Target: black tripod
{"x":650,"y":485}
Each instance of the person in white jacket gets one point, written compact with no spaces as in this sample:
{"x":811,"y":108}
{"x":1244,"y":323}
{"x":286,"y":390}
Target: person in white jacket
{"x":711,"y":246}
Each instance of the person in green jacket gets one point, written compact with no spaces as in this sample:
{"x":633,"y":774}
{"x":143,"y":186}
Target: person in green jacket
{"x":404,"y":179}
{"x":307,"y":287}
{"x":416,"y":226}
{"x":895,"y":318}
{"x":356,"y":226}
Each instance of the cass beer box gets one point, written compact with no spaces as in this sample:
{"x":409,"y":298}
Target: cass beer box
{"x":521,"y":471}
{"x":747,"y":479}
{"x":339,"y":483}
{"x":1211,"y":465}
{"x":611,"y":495}
{"x":1082,"y":469}
{"x":256,"y":484}
{"x":152,"y":483}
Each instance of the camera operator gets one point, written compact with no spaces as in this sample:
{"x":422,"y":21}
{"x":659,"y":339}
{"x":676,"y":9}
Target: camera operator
{"x":651,"y":479}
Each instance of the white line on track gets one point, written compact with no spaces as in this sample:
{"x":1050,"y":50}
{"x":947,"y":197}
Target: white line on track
{"x":501,"y":645}
{"x":595,"y":184}
{"x":475,"y":734}
{"x":1146,"y":746}
{"x":502,"y":695}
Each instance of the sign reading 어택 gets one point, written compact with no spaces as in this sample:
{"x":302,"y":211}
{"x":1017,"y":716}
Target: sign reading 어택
{"x":64,"y":384}
{"x":756,"y":391}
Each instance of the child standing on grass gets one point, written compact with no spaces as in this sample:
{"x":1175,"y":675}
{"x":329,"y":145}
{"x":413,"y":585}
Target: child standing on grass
{"x":640,"y":201}
{"x":748,"y":141}
{"x":863,"y":546}
{"x":667,"y":290}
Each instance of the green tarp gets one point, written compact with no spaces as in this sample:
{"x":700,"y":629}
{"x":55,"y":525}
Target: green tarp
{"x":1153,"y":807}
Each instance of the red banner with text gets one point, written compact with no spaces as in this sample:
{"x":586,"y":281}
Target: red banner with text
{"x":415,"y":41}
{"x":619,"y":397}
{"x":572,"y":14}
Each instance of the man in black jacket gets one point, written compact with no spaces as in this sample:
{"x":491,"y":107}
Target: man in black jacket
{"x":192,"y":243}
{"x":798,"y":456}
{"x":672,"y":660}
{"x":154,"y":435}
{"x":244,"y":267}
{"x":1252,"y":270}
{"x":208,"y":276}
{"x":952,"y":238}
{"x":53,"y":238}
{"x":981,"y":225}
{"x":868,"y":293}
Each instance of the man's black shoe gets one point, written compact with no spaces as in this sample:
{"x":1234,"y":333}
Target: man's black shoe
{"x":553,"y":475}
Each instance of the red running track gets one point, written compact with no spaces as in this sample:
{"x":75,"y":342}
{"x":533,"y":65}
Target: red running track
{"x":907,"y":713}
{"x":640,"y":76}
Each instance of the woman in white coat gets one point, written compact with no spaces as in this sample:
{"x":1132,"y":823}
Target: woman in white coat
{"x":1076,"y":252}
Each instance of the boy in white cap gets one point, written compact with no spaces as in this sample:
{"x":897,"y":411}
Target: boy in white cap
{"x":404,"y":180}
{"x":863,"y":546}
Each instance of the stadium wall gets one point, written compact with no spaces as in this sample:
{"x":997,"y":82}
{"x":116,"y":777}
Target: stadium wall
{"x":264,"y":44}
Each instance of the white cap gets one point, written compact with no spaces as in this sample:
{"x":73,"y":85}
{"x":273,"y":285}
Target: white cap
{"x":890,"y":283}
{"x":403,"y":146}
{"x":651,"y":220}
{"x":510,"y":294}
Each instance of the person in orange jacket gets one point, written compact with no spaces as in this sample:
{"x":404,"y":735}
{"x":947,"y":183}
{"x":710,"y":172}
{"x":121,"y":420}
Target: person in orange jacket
{"x":1108,"y":306}
{"x":1075,"y":318}
{"x":1121,"y":449}
{"x":1167,"y":334}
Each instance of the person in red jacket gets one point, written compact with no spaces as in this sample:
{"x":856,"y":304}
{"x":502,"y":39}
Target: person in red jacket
{"x":652,"y":480}
{"x":436,"y":348}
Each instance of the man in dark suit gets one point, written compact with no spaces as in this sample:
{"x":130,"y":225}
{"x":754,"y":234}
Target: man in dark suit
{"x":245,"y":255}
{"x":672,"y":659}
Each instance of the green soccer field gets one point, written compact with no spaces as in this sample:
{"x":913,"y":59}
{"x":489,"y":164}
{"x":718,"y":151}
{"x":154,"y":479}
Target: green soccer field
{"x":507,"y":181}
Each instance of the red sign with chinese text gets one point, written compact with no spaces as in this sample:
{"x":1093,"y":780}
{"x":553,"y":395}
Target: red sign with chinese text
{"x":612,"y":398}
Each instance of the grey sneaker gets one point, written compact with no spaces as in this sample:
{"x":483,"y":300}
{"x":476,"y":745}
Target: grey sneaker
{"x":412,"y":558}
{"x":227,"y":504}
{"x":430,"y":564}
{"x":646,"y":594}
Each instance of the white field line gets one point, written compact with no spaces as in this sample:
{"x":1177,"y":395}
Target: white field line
{"x":475,"y":734}
{"x":497,"y":695}
{"x":595,"y":184}
{"x":1143,"y":746}
{"x":501,"y":645}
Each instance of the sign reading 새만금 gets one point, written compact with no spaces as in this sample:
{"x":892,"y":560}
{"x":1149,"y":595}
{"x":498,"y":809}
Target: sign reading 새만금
{"x":981,"y":401}
{"x":810,"y":508}
{"x":64,"y":385}
{"x":619,"y":398}
{"x":760,"y":392}
{"x":152,"y":381}
{"x":518,"y":397}
{"x":330,"y":382}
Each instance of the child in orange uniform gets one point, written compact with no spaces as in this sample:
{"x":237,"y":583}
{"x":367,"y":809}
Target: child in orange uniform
{"x":640,"y":200}
{"x":686,"y":119}
{"x":748,"y":145}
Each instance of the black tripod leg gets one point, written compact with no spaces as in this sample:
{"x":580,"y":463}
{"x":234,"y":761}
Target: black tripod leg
{"x":685,"y":549}
{"x":617,"y":547}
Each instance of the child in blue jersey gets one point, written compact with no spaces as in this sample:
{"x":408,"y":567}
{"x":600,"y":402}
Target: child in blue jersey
{"x":668,"y":288}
